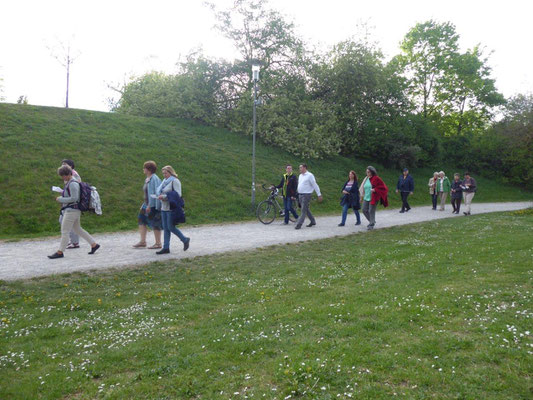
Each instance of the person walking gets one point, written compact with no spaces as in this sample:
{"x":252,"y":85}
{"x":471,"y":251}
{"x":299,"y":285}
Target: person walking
{"x":306,"y":186}
{"x":289,"y":186}
{"x":350,"y":198}
{"x":373,"y":191}
{"x":69,"y":200}
{"x":170,"y":183}
{"x":406,"y":187}
{"x":433,"y":189}
{"x":457,"y":193}
{"x":469,"y":190}
{"x":74,"y":242}
{"x":150,"y":212}
{"x":443,"y":188}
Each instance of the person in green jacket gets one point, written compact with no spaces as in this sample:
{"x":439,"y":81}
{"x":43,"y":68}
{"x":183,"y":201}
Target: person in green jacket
{"x":442,"y":187}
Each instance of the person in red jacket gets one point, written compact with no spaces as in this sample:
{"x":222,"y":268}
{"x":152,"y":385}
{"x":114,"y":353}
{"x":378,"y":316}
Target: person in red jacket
{"x":373,"y":191}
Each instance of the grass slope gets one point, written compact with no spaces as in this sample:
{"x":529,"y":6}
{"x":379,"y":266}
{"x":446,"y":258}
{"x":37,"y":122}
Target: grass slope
{"x":214,"y":166}
{"x":435,"y":310}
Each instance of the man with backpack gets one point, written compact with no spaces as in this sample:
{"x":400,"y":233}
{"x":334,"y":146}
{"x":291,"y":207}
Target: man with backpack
{"x":70,"y":201}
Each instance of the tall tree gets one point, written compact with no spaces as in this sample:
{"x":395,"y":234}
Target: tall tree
{"x":65,"y":55}
{"x":428,"y":53}
{"x":469,"y":94}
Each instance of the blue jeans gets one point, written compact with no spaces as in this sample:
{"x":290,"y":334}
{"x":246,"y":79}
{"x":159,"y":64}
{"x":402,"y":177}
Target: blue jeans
{"x":287,"y":205}
{"x":345,"y":214}
{"x":168,"y":227}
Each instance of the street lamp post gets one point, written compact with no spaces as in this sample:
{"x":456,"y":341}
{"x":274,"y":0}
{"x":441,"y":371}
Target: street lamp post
{"x":255,"y":77}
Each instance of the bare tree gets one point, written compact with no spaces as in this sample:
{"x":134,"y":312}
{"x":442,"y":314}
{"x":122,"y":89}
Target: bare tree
{"x":65,"y":55}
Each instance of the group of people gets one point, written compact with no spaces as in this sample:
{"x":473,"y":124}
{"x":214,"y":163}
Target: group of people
{"x":372,"y":191}
{"x":155,"y":211}
{"x":440,"y":187}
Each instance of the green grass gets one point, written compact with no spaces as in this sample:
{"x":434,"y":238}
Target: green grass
{"x":435,"y":310}
{"x":214,"y":166}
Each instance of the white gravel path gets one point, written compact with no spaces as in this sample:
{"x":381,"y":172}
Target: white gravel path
{"x":27,"y":259}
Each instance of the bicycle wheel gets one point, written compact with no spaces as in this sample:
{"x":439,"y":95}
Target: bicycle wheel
{"x":266,"y":212}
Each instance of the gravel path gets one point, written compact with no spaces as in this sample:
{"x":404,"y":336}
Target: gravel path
{"x":27,"y":259}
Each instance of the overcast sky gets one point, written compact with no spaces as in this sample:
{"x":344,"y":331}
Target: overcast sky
{"x":117,"y":39}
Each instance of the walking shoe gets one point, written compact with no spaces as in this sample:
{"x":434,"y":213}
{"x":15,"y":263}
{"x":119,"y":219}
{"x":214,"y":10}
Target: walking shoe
{"x":298,"y":227}
{"x":407,"y":210}
{"x":358,"y":223}
{"x":340,"y":225}
{"x":370,"y":227}
{"x":139,"y":245}
{"x":402,"y":211}
{"x":163,"y":251}
{"x":56,"y":255}
{"x":73,"y":246}
{"x":186,"y":244}
{"x":309,"y":225}
{"x":93,"y":249}
{"x":155,"y":246}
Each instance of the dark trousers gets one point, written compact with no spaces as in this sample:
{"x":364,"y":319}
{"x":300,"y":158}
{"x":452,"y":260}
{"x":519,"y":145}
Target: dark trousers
{"x":456,"y":204}
{"x":434,"y":200}
{"x":287,"y":205}
{"x":405,"y":204}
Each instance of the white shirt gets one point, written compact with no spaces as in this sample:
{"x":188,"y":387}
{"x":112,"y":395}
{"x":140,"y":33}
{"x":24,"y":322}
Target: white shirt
{"x":307,"y":184}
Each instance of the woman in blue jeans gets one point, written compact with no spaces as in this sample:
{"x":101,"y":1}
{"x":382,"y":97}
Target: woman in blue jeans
{"x":171,"y":182}
{"x":350,"y":198}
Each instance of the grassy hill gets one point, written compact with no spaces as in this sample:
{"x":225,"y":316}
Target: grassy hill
{"x":213,"y":164}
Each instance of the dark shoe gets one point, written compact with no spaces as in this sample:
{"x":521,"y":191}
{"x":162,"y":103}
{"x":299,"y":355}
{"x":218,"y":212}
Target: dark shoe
{"x":358,"y":223}
{"x":186,"y":244}
{"x":407,"y":210}
{"x":309,"y":225}
{"x":340,"y":225}
{"x":163,"y":251}
{"x":93,"y":249}
{"x":73,"y":246}
{"x":402,"y":211}
{"x":56,"y":255}
{"x":370,"y":227}
{"x":298,"y":227}
{"x":465,"y":213}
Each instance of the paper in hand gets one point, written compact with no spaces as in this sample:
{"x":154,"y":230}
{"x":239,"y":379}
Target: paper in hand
{"x":57,"y":189}
{"x":153,"y":196}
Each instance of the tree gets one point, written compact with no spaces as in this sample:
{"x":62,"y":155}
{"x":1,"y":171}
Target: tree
{"x":428,"y":53}
{"x":469,"y":94}
{"x":65,"y":55}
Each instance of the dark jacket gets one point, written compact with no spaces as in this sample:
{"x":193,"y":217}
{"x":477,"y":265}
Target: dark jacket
{"x":457,"y":192}
{"x":292,"y":185}
{"x":472,"y":185}
{"x":406,"y":184}
{"x":351,"y":199}
{"x":177,"y":204}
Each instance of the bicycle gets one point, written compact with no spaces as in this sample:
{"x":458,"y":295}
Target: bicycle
{"x":269,"y":209}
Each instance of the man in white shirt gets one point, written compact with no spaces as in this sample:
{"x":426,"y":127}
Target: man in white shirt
{"x":306,"y":186}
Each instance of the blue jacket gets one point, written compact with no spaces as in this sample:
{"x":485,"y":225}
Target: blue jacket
{"x":153,"y":184}
{"x":177,"y":204}
{"x":351,"y":199}
{"x":406,"y":185}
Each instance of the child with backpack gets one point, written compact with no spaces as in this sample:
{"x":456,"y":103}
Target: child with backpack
{"x":71,"y":211}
